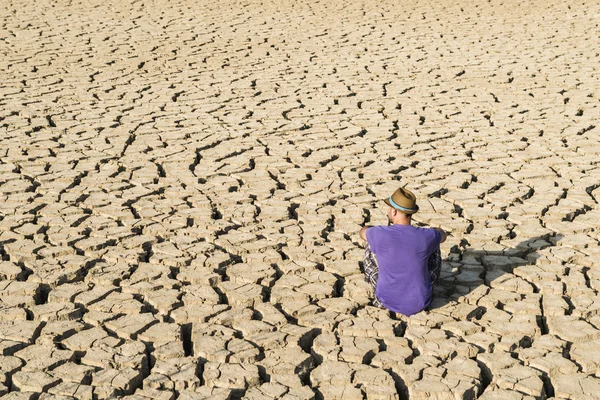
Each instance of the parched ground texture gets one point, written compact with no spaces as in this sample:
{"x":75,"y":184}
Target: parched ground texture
{"x":182,"y":185}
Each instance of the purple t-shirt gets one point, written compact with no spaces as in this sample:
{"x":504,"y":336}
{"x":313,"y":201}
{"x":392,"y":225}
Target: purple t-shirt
{"x":402,"y":252}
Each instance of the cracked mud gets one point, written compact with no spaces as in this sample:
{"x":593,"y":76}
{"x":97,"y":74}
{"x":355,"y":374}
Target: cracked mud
{"x":182,"y":184}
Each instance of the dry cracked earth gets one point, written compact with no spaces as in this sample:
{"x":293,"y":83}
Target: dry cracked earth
{"x":182,"y":185}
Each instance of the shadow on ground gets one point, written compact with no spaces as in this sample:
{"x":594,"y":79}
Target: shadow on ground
{"x":467,"y":269}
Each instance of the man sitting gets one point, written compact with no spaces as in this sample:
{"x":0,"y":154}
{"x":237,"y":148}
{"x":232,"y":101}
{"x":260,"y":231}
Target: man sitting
{"x":402,"y":262}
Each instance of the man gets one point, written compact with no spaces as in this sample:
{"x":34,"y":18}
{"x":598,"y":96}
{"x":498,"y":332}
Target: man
{"x":402,"y":262}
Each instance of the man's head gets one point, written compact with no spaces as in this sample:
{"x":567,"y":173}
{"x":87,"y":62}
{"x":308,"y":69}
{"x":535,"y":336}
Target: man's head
{"x":401,"y":205}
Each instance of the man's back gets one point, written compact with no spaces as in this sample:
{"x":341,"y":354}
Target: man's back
{"x":402,"y":252}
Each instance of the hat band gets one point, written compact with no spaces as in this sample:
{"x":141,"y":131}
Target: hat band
{"x":399,"y":207}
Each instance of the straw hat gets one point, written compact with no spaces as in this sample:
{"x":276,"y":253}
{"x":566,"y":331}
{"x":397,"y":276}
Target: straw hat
{"x":403,"y":200}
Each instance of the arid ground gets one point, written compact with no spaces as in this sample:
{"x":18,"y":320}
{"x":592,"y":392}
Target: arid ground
{"x":182,"y":184}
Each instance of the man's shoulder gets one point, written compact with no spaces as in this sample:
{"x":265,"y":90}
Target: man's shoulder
{"x":428,"y":231}
{"x":377,"y":232}
{"x":383,"y":229}
{"x":431,"y":235}
{"x":375,"y":229}
{"x":424,"y":234}
{"x":398,"y":228}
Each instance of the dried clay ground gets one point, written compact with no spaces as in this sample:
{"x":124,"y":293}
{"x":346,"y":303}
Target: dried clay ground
{"x":183,"y":182}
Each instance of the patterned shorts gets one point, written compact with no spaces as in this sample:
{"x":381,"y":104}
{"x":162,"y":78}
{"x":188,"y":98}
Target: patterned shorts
{"x":371,"y":269}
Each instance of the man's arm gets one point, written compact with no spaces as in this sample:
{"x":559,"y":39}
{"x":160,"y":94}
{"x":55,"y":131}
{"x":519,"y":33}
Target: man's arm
{"x":444,"y":234}
{"x":363,"y":232}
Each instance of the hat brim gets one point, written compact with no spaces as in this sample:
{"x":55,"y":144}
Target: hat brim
{"x":387,"y":201}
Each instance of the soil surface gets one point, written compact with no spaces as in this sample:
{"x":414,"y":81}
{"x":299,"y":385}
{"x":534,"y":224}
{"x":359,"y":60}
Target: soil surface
{"x":182,"y":184}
